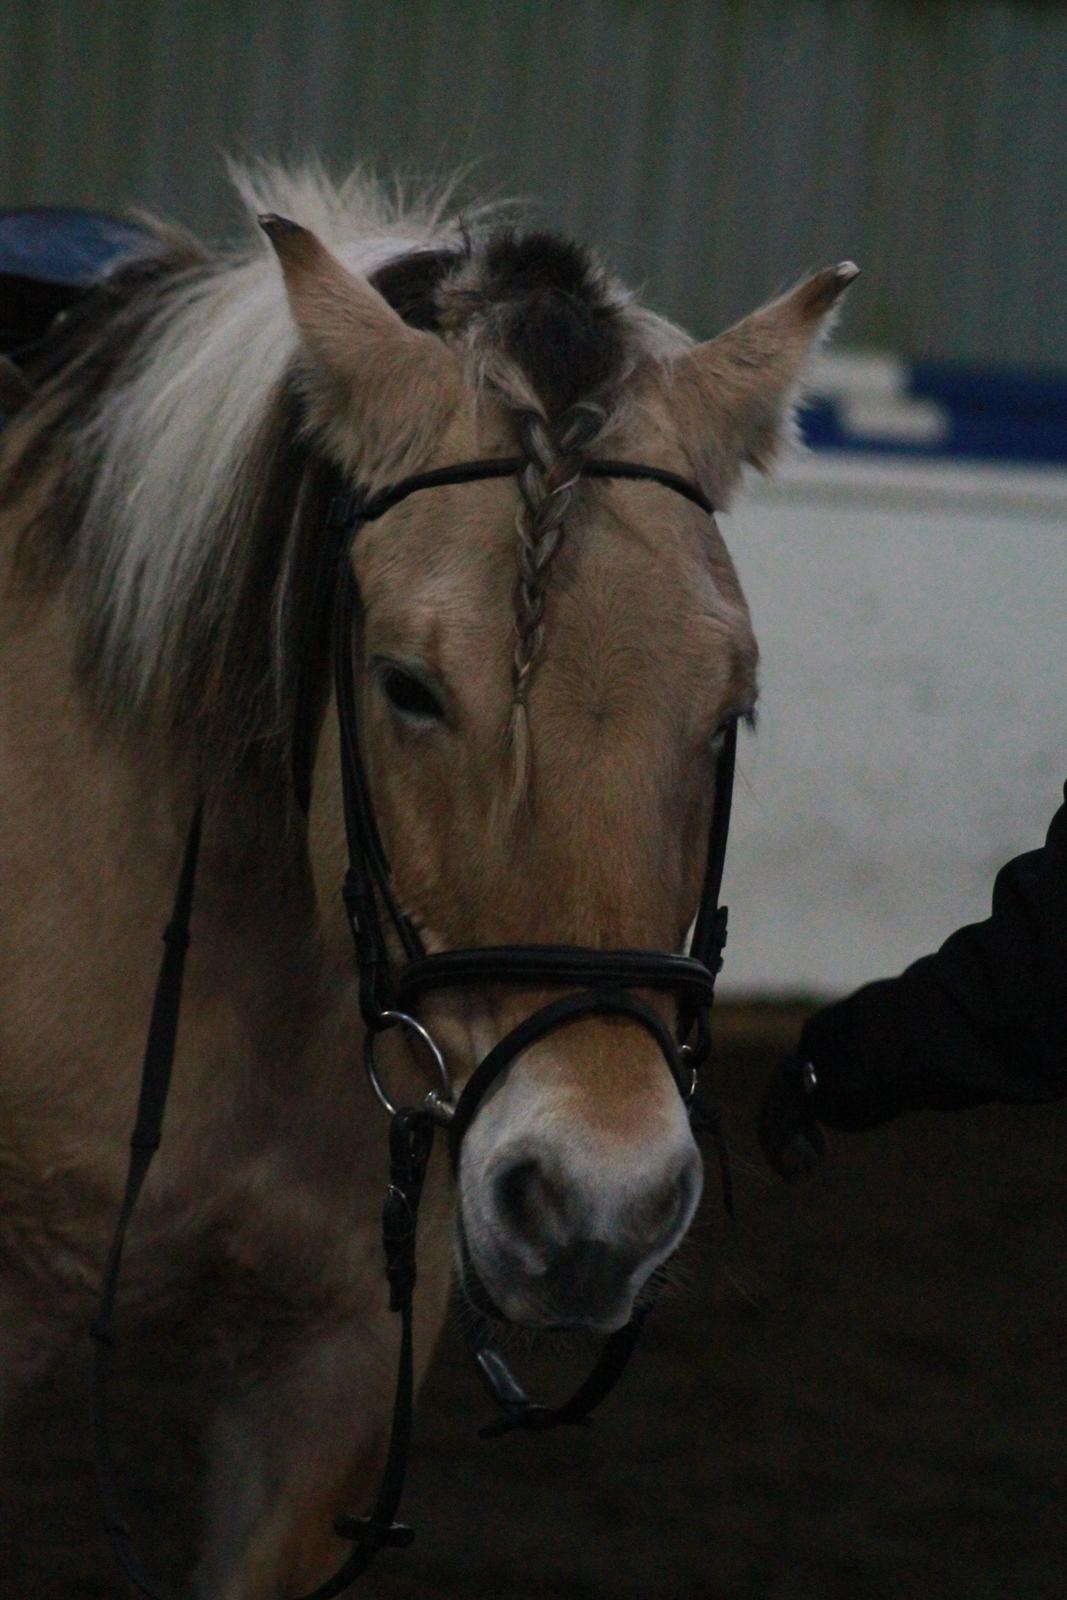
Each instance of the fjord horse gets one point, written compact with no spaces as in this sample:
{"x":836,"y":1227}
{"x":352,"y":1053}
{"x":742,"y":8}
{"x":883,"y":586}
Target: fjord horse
{"x":541,"y":697}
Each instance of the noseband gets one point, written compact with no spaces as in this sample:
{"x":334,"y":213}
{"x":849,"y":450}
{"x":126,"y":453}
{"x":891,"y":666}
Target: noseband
{"x":594,"y":983}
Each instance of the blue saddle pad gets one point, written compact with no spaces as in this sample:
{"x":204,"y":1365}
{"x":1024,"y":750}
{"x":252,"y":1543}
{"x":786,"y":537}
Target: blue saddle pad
{"x":61,"y":245}
{"x":48,"y":256}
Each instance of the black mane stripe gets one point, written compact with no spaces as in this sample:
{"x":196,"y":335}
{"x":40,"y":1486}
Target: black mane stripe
{"x":550,"y":307}
{"x":560,"y":324}
{"x":410,"y":283}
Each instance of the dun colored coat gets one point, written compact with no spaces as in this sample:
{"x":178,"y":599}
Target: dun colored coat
{"x":541,"y":686}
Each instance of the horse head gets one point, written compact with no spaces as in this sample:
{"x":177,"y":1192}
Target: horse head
{"x":545,"y":667}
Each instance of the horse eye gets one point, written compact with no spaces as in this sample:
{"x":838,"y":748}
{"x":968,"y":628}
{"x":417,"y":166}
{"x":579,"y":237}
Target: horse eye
{"x":410,"y":695}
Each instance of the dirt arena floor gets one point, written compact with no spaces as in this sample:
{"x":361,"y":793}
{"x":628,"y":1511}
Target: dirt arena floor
{"x":860,"y":1393}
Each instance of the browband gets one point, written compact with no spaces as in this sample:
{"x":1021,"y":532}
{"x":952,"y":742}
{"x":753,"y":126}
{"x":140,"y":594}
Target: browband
{"x":352,"y":506}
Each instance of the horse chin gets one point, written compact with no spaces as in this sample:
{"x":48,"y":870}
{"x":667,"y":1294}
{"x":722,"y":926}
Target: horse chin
{"x":532,"y":1318}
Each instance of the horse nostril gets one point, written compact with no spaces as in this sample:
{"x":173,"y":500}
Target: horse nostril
{"x":528,"y":1201}
{"x":513,"y":1197}
{"x":667,"y":1212}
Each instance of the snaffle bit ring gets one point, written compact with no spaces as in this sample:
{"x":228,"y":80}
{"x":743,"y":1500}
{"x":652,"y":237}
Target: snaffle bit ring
{"x":439,"y":1101}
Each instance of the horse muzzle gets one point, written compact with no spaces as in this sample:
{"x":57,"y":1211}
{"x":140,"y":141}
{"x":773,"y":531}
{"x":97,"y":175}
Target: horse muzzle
{"x":555,"y":1232}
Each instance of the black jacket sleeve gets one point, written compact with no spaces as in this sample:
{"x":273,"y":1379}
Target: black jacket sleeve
{"x":984,"y":1019}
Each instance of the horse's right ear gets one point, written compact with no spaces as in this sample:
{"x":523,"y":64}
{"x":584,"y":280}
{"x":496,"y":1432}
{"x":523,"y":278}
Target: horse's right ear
{"x":388,"y":388}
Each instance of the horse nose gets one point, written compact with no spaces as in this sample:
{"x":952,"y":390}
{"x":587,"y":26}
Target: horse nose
{"x":584,"y":1250}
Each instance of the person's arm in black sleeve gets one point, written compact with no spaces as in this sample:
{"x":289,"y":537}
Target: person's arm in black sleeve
{"x":985,"y":1019}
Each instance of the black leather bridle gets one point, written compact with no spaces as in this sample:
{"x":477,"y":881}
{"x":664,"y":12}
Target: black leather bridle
{"x":594,"y":983}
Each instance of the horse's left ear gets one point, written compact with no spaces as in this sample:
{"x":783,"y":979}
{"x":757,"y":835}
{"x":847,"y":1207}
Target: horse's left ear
{"x":380,"y":390}
{"x":734,"y":396}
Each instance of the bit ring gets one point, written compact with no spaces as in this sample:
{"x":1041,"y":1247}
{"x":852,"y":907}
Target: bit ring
{"x":439,"y":1101}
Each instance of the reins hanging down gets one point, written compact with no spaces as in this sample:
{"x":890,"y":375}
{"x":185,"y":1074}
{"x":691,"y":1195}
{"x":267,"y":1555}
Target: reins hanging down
{"x":594,"y":983}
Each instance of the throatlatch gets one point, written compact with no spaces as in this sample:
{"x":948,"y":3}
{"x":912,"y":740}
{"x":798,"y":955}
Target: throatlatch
{"x":595,"y":982}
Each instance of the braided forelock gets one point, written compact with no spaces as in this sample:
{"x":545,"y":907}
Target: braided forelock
{"x":553,"y":454}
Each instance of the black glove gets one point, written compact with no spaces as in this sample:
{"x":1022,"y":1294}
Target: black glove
{"x":792,"y":1139}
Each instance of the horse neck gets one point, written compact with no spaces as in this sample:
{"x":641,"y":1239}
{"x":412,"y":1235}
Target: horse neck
{"x":100,"y":820}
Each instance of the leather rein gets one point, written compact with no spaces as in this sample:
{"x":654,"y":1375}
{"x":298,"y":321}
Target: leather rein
{"x":594,"y":983}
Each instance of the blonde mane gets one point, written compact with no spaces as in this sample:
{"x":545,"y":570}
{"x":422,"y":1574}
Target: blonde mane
{"x":187,"y":477}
